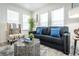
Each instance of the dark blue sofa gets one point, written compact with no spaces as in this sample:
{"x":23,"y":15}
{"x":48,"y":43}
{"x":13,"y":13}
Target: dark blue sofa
{"x":58,"y":39}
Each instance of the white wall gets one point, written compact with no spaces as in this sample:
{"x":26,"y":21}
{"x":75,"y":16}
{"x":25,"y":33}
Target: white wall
{"x":2,"y":24}
{"x":73,"y":23}
{"x":3,"y":17}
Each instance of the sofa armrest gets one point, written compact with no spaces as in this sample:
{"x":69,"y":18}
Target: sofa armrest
{"x":66,"y":39}
{"x":33,"y":32}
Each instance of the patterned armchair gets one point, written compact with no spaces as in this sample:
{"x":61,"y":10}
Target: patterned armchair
{"x":13,"y":32}
{"x":13,"y":28}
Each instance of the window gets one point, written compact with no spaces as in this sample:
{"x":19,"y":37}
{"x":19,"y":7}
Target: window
{"x":44,"y":19}
{"x":25,"y":22}
{"x":12,"y":17}
{"x":57,"y":17}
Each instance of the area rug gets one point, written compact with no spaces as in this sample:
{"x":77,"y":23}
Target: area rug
{"x":8,"y":50}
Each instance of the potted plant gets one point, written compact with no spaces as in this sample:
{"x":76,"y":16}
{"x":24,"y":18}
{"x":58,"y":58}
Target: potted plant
{"x":31,"y":24}
{"x":31,"y":36}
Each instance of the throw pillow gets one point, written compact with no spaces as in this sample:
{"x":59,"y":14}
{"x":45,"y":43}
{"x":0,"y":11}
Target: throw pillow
{"x":39,"y":30}
{"x":55,"y":32}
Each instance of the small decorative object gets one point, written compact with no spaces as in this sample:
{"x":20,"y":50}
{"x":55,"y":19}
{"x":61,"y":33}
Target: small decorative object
{"x":27,"y":40}
{"x":76,"y":31}
{"x":31,"y":36}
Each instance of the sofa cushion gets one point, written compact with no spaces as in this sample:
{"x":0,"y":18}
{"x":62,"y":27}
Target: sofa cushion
{"x":55,"y":32}
{"x":56,"y":40}
{"x":43,"y":37}
{"x":37,"y":36}
{"x":45,"y":31}
{"x":51,"y":39}
{"x":39,"y":30}
{"x":48,"y":38}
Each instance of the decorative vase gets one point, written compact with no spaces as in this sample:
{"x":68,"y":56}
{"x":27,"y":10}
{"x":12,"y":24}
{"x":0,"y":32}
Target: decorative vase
{"x":31,"y":39}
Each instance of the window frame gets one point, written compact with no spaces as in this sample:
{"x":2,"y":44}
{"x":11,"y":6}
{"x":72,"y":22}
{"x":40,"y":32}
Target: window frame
{"x":57,"y":20}
{"x":27,"y":22}
{"x":9,"y":11}
{"x":46,"y":22}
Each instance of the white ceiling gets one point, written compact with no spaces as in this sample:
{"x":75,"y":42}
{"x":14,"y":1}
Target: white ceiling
{"x":32,"y":6}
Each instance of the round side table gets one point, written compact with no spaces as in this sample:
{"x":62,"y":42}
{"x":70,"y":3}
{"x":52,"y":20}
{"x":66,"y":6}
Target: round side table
{"x":75,"y":43}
